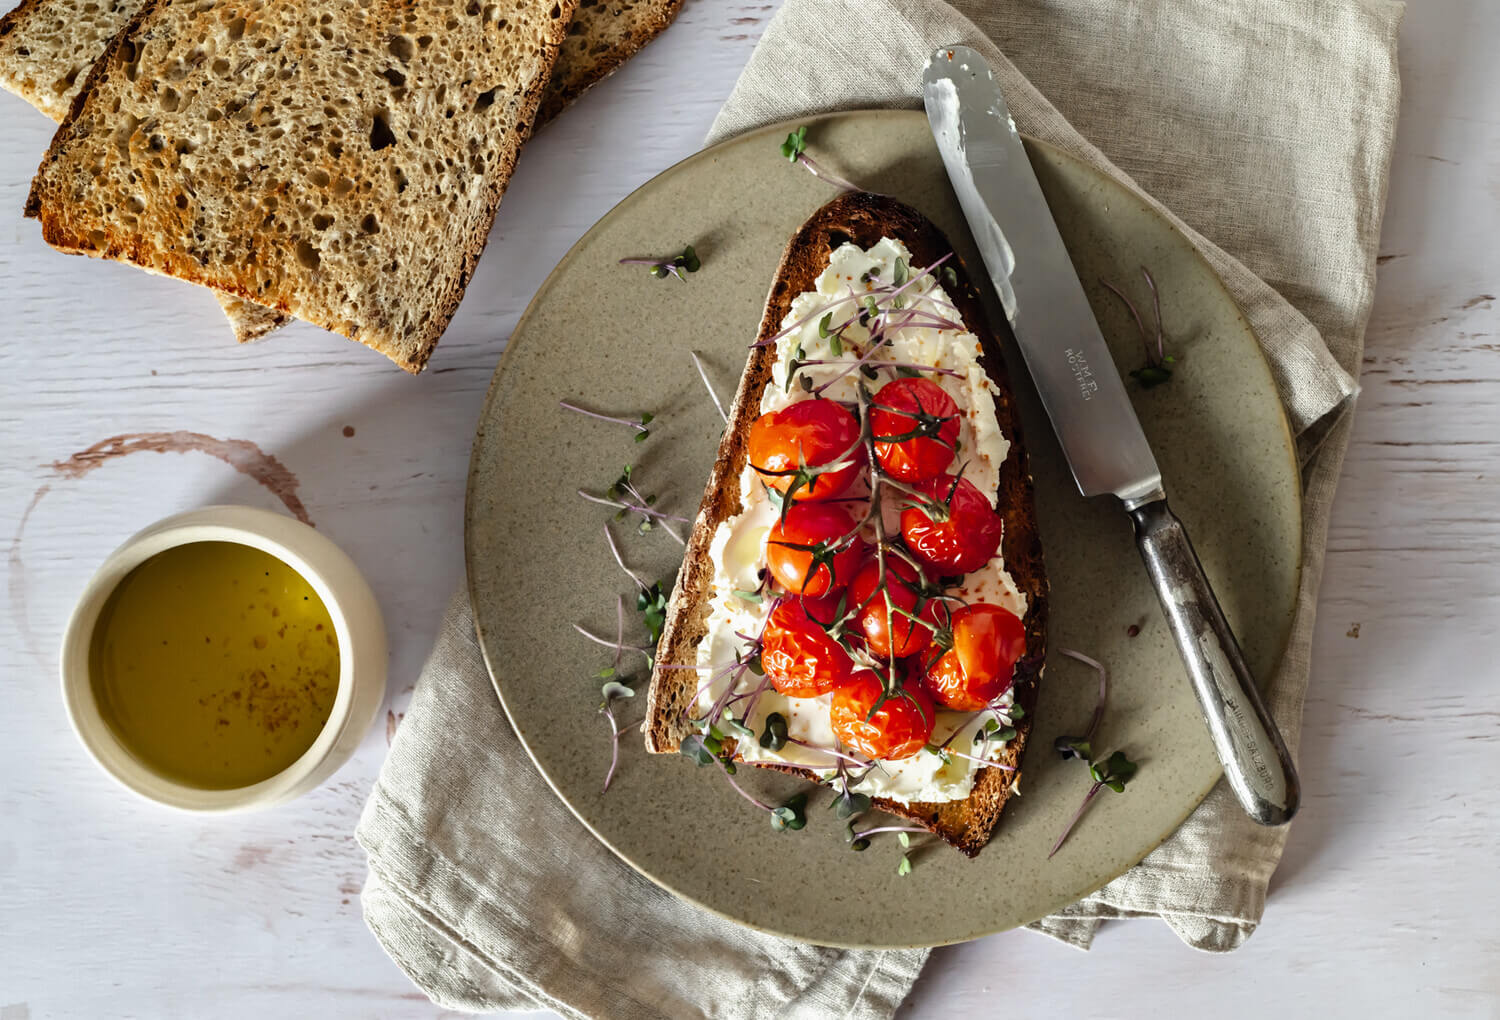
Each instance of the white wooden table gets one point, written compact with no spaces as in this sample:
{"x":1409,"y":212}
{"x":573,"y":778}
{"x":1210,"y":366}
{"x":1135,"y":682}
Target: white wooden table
{"x":1386,"y":901}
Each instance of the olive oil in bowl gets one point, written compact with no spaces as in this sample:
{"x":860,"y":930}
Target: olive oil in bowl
{"x":215,"y":664}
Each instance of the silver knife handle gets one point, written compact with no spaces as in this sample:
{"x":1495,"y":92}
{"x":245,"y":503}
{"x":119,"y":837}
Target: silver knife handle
{"x":1255,"y":758}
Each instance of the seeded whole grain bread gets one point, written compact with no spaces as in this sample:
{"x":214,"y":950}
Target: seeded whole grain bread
{"x":341,"y":164}
{"x":864,"y":219}
{"x":48,"y":46}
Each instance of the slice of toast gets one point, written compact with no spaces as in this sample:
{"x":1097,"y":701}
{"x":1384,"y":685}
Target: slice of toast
{"x":340,"y":164}
{"x":48,"y":46}
{"x":864,"y":219}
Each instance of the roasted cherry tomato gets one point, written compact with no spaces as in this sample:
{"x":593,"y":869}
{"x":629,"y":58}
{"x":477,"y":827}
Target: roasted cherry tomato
{"x":801,"y":549}
{"x":822,"y":431}
{"x":898,"y":729}
{"x":799,"y":657}
{"x":987,"y":642}
{"x":958,"y":536}
{"x":915,"y":425}
{"x":825,"y":610}
{"x":885,"y":638}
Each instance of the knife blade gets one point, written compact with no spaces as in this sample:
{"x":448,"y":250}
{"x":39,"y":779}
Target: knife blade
{"x":1085,"y":398}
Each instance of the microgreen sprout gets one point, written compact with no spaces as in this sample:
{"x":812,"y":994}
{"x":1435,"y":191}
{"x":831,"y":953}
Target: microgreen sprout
{"x":624,"y":494}
{"x":612,"y":691}
{"x":672,"y":265}
{"x":712,"y":394}
{"x":1114,"y":772}
{"x":795,"y":150}
{"x":1158,"y":366}
{"x":860,"y":840}
{"x":790,"y":816}
{"x":773,"y":738}
{"x":626,"y":507}
{"x":615,"y":646}
{"x":639,"y":424}
{"x":609,"y":537}
{"x":847,"y":803}
{"x":708,"y":748}
{"x":1080,"y":747}
{"x":651,"y":601}
{"x":831,"y":752}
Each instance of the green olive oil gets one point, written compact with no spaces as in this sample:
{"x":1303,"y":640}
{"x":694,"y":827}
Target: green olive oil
{"x":215,"y":664}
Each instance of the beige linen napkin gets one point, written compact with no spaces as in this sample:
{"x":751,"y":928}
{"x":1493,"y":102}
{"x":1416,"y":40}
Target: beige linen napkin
{"x":1266,"y":125}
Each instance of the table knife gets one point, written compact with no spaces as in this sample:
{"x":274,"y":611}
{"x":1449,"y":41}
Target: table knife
{"x":1085,"y":398}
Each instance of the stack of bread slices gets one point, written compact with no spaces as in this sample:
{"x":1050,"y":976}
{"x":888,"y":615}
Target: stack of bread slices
{"x":338,"y":163}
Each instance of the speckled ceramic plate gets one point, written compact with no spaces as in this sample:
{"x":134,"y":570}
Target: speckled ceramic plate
{"x":615,"y":339}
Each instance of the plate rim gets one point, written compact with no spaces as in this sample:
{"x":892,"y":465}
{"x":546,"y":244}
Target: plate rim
{"x":503,"y":363}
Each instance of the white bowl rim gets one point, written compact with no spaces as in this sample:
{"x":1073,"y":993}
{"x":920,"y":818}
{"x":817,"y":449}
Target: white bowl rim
{"x":307,"y":551}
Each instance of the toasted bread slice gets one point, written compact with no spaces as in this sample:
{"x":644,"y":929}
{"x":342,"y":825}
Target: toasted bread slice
{"x":864,"y":219}
{"x":48,"y":46}
{"x":343,"y":167}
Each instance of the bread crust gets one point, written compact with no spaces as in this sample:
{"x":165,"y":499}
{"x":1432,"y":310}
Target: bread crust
{"x":47,"y":202}
{"x":864,"y":219}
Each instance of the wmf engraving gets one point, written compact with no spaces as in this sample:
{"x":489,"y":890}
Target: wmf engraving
{"x":1082,"y":374}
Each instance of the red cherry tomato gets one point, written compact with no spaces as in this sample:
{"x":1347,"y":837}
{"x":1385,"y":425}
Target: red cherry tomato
{"x":987,"y":642}
{"x":875,"y":623}
{"x":823,"y":610}
{"x":898,"y":729}
{"x":821,"y":431}
{"x":800,"y":549}
{"x":963,"y":542}
{"x":907,"y":406}
{"x":799,"y":657}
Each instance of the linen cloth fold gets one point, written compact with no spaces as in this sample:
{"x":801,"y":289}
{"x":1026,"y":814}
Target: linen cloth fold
{"x":1264,"y":129}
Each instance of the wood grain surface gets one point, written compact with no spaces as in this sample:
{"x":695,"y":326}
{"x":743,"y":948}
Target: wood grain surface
{"x":1384,"y":904}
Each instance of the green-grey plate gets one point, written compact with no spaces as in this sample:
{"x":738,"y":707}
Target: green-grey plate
{"x":612,"y":338}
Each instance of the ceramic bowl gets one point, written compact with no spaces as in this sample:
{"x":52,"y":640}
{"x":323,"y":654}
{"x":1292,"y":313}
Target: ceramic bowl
{"x":357,"y":624}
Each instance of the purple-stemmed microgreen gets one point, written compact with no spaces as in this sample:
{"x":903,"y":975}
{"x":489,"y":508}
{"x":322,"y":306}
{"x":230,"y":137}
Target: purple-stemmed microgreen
{"x":614,"y":690}
{"x":627,"y":507}
{"x":1081,"y":747}
{"x":795,"y":150}
{"x":619,"y":630}
{"x":948,"y":753}
{"x":877,"y":830}
{"x":890,"y":366}
{"x":708,"y":748}
{"x":609,"y":537}
{"x":847,"y":804}
{"x":1158,"y":366}
{"x":672,"y":265}
{"x":615,"y":646}
{"x":774,"y":736}
{"x":860,"y":840}
{"x":639,"y":424}
{"x":869,"y":304}
{"x":628,"y":498}
{"x":712,"y":393}
{"x":1112,"y":773}
{"x":831,"y":752}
